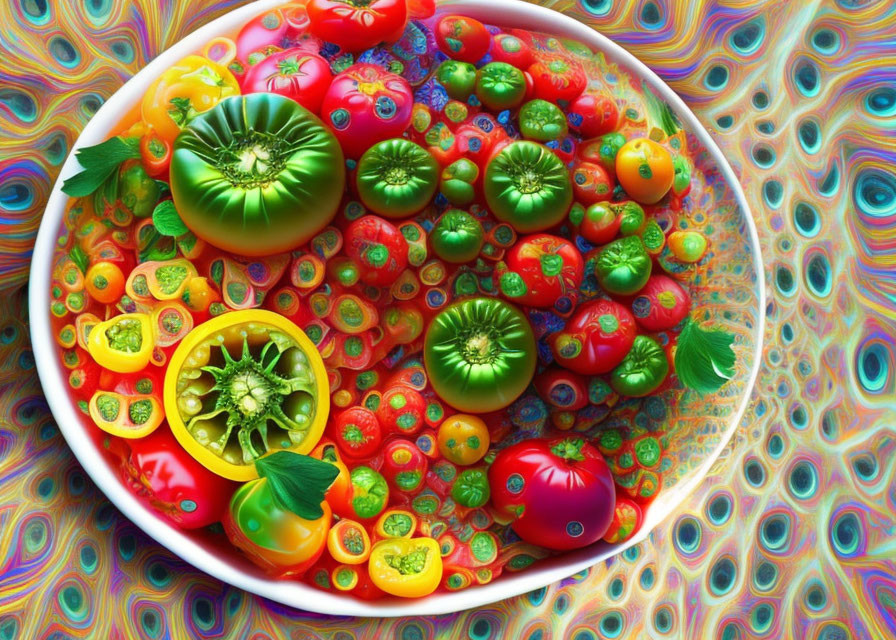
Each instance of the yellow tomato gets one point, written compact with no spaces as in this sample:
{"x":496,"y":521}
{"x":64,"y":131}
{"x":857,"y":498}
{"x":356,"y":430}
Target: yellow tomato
{"x":645,"y":170}
{"x":198,"y":294}
{"x":193,"y":85}
{"x":406,"y":567}
{"x":105,"y":282}
{"x":123,"y":343}
{"x":123,"y":416}
{"x":463,"y":439}
{"x":348,"y":542}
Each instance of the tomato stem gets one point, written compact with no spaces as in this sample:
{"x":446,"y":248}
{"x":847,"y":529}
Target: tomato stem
{"x":570,"y":449}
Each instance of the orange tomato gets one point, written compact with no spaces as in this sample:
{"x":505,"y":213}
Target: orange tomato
{"x":105,"y":282}
{"x":645,"y":170}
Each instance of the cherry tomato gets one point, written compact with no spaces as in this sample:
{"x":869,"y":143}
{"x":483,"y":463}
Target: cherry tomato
{"x":366,"y":104}
{"x":545,"y":483}
{"x":357,"y":432}
{"x":645,"y":170}
{"x":155,"y":153}
{"x":596,"y":338}
{"x":542,"y":270}
{"x":378,"y":248}
{"x":500,"y":86}
{"x":339,"y":495}
{"x":593,"y":114}
{"x":471,"y":488}
{"x":627,"y":518}
{"x":478,"y":138}
{"x":462,"y":38}
{"x":160,"y":471}
{"x":562,"y":389}
{"x":591,"y":183}
{"x":404,"y":465}
{"x":402,"y":410}
{"x":687,"y":246}
{"x":600,"y":224}
{"x":510,"y":49}
{"x":104,"y":282}
{"x":348,"y":542}
{"x":557,"y":78}
{"x":463,"y":439}
{"x":661,"y":304}
{"x":294,"y":73}
{"x":356,"y":25}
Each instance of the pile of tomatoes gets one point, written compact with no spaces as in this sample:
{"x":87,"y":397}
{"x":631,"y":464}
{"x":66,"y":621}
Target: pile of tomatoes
{"x":345,"y":261}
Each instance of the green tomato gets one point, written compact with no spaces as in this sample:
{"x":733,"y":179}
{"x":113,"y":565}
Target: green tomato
{"x":471,"y":488}
{"x":257,"y":175}
{"x":642,"y":370}
{"x":528,"y":186}
{"x":370,"y":492}
{"x":682,"y":177}
{"x":623,"y":266}
{"x":458,"y":78}
{"x":500,"y":86}
{"x":457,"y":237}
{"x":633,"y":218}
{"x":457,"y":182}
{"x":543,"y":121}
{"x":138,"y":192}
{"x":397,"y":178}
{"x":479,"y":354}
{"x":607,"y":146}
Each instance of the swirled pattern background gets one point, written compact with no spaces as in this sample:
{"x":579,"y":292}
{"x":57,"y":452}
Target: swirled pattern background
{"x":791,"y":536}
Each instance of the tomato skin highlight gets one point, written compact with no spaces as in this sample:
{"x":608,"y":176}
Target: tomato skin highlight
{"x":294,"y":73}
{"x":542,"y":270}
{"x":357,"y":432}
{"x":661,"y":304}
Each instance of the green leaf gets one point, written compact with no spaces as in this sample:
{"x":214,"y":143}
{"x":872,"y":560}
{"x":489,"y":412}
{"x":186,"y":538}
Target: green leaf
{"x":704,"y":359}
{"x":659,"y":114}
{"x":181,"y":111}
{"x":167,"y":221}
{"x":79,"y":258}
{"x":98,"y":163}
{"x":298,"y":482}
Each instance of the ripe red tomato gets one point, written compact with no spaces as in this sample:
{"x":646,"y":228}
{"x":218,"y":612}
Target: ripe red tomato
{"x":270,"y":31}
{"x":294,"y":73}
{"x":562,"y":389}
{"x":160,"y":471}
{"x":660,"y":304}
{"x":366,"y":104}
{"x":357,"y":432}
{"x":557,"y":78}
{"x":378,"y":248}
{"x":402,"y":410}
{"x":510,"y":49}
{"x":462,"y":38}
{"x":596,"y":338}
{"x":404,"y":465}
{"x":542,"y":270}
{"x":591,"y":183}
{"x":600,"y":224}
{"x":356,"y":25}
{"x":561,"y":490}
{"x":593,"y":114}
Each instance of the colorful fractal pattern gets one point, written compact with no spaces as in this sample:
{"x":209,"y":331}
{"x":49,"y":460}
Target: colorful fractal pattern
{"x":792,"y":534}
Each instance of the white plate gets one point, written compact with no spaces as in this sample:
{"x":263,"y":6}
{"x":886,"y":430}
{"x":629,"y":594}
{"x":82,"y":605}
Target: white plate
{"x":227,"y":565}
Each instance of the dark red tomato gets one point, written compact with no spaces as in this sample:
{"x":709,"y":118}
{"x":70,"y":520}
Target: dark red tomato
{"x":600,"y":224}
{"x":294,"y":73}
{"x":591,"y":183}
{"x":357,"y":432}
{"x":661,"y":304}
{"x":404,"y":465}
{"x":557,"y":78}
{"x":561,"y":490}
{"x":365,"y":589}
{"x":366,"y":104}
{"x":84,"y":378}
{"x":596,"y":338}
{"x":593,"y":114}
{"x":402,"y":410}
{"x":542,"y":270}
{"x":462,"y":38}
{"x":159,"y":470}
{"x":356,"y":25}
{"x":562,"y":389}
{"x":378,"y":248}
{"x":510,"y":49}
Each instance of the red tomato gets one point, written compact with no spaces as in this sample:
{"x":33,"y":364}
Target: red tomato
{"x":378,"y":248}
{"x":600,"y":224}
{"x":294,"y":73}
{"x":402,"y":410}
{"x":276,"y":28}
{"x":593,"y":114}
{"x":561,"y":490}
{"x":404,"y":465}
{"x":462,"y":38}
{"x":591,"y":183}
{"x":596,"y":338}
{"x":357,"y":432}
{"x":356,"y":25}
{"x":562,"y":389}
{"x":557,"y":78}
{"x":541,"y":270}
{"x":159,"y":470}
{"x":510,"y":49}
{"x":661,"y":304}
{"x":627,"y":519}
{"x":366,"y":104}
{"x":421,"y":9}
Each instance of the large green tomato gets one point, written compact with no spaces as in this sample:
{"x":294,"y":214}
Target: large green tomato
{"x":257,"y":175}
{"x":479,"y":354}
{"x":528,"y":186}
{"x":397,"y":178}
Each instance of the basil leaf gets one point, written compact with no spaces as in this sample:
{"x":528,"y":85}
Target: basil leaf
{"x":80,"y":258}
{"x":98,"y":163}
{"x":298,"y":482}
{"x":704,"y":359}
{"x":167,"y":221}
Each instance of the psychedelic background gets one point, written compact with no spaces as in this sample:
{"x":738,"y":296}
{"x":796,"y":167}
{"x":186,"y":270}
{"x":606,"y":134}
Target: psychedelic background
{"x":793,"y":535}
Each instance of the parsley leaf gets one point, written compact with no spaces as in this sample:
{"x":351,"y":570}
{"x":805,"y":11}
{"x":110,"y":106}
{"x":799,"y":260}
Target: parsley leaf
{"x":704,"y":359}
{"x":167,"y":221}
{"x":298,"y":482}
{"x":99,"y":162}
